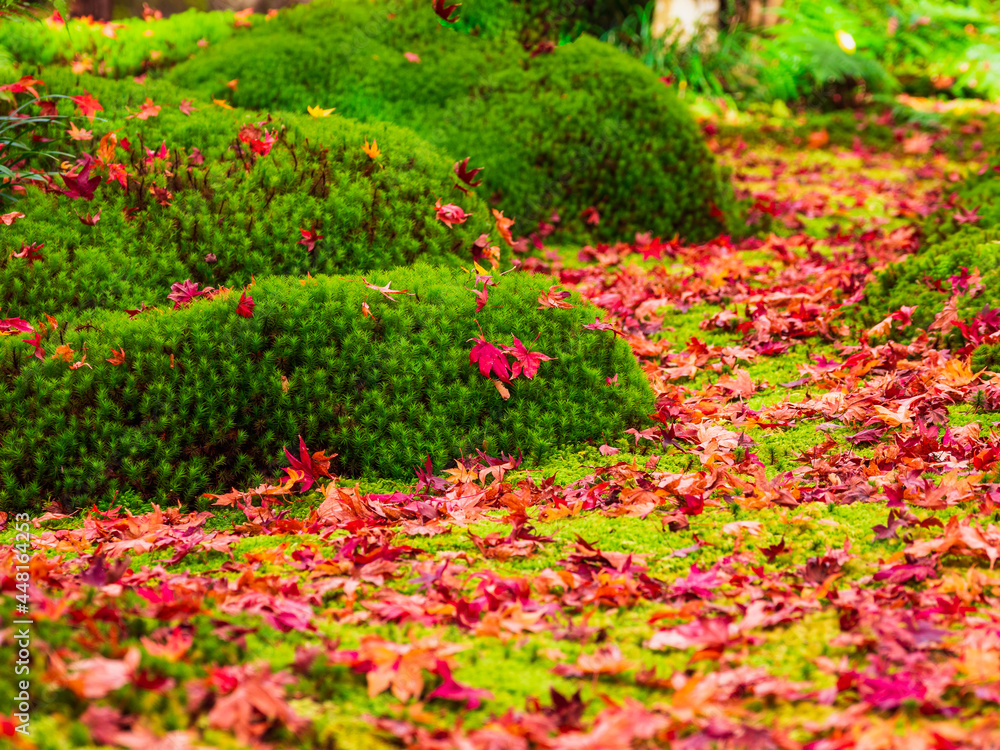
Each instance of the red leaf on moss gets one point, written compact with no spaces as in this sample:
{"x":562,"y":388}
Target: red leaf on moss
{"x":466,"y":175}
{"x":527,"y":361}
{"x":87,"y":104}
{"x":245,"y":307}
{"x":311,"y":467}
{"x":444,"y":11}
{"x":450,"y":690}
{"x":309,"y":238}
{"x":184,"y":292}
{"x":490,"y":359}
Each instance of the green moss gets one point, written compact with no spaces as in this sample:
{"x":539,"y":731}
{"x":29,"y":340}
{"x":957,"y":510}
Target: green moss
{"x":383,"y":392}
{"x":601,"y":130}
{"x":235,"y":216}
{"x":950,"y":246}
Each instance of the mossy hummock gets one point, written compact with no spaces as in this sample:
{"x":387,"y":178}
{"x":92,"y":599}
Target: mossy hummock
{"x":583,"y":127}
{"x":206,"y":399}
{"x":955,"y":244}
{"x":200,"y":203}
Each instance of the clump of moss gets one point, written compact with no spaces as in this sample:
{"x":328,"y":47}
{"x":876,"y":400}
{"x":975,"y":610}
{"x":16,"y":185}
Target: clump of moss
{"x":585,"y":127}
{"x":955,"y":244}
{"x":205,"y":398}
{"x":220,"y":196}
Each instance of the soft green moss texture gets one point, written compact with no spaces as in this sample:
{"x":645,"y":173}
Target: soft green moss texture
{"x":383,"y":392}
{"x":585,"y":126}
{"x":953,"y":245}
{"x":245,"y":210}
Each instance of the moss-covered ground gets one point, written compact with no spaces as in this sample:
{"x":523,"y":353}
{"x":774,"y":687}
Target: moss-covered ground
{"x":798,"y":553}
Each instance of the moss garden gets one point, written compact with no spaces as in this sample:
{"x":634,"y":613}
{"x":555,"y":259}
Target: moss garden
{"x":391,"y":374}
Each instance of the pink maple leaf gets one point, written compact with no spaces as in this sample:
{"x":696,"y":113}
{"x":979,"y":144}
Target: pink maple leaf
{"x":183,"y":292}
{"x":160,"y":153}
{"x":386,"y":290}
{"x":490,"y":358}
{"x":450,"y":214}
{"x":309,"y":238}
{"x":598,"y":325}
{"x":450,"y":690}
{"x":15,"y":324}
{"x":970,"y":216}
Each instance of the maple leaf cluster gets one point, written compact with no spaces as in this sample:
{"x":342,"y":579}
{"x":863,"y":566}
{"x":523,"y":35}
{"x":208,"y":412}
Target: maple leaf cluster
{"x":493,"y":363}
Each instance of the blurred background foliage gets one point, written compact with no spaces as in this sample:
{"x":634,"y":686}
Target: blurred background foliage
{"x":825,"y":53}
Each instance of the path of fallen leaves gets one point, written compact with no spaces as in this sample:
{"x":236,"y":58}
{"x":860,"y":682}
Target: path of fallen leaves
{"x":800,"y":554}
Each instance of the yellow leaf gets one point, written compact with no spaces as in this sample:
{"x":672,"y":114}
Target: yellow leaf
{"x":319,"y":111}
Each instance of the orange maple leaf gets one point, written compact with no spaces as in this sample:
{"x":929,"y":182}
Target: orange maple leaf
{"x":503,"y":227}
{"x":372,"y":150}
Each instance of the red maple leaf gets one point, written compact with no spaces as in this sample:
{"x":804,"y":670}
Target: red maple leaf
{"x":117,"y":172}
{"x":311,"y":467}
{"x":25,"y":85}
{"x":591,"y":216}
{"x":81,"y":184}
{"x":87,"y":104}
{"x":467,"y":175}
{"x":310,"y":238}
{"x":147,"y":110}
{"x":527,"y":362}
{"x":31,"y":252}
{"x":36,"y":341}
{"x":245,"y":306}
{"x":162,"y":195}
{"x":482,"y":297}
{"x":490,"y":358}
{"x":89,"y":220}
{"x":444,"y":11}
{"x":160,"y":153}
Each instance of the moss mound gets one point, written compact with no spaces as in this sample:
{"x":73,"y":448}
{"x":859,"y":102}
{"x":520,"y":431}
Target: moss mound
{"x":128,"y":47}
{"x":531,"y":21}
{"x":953,"y":246}
{"x":231,"y":213}
{"x":585,"y":126}
{"x":206,"y":399}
